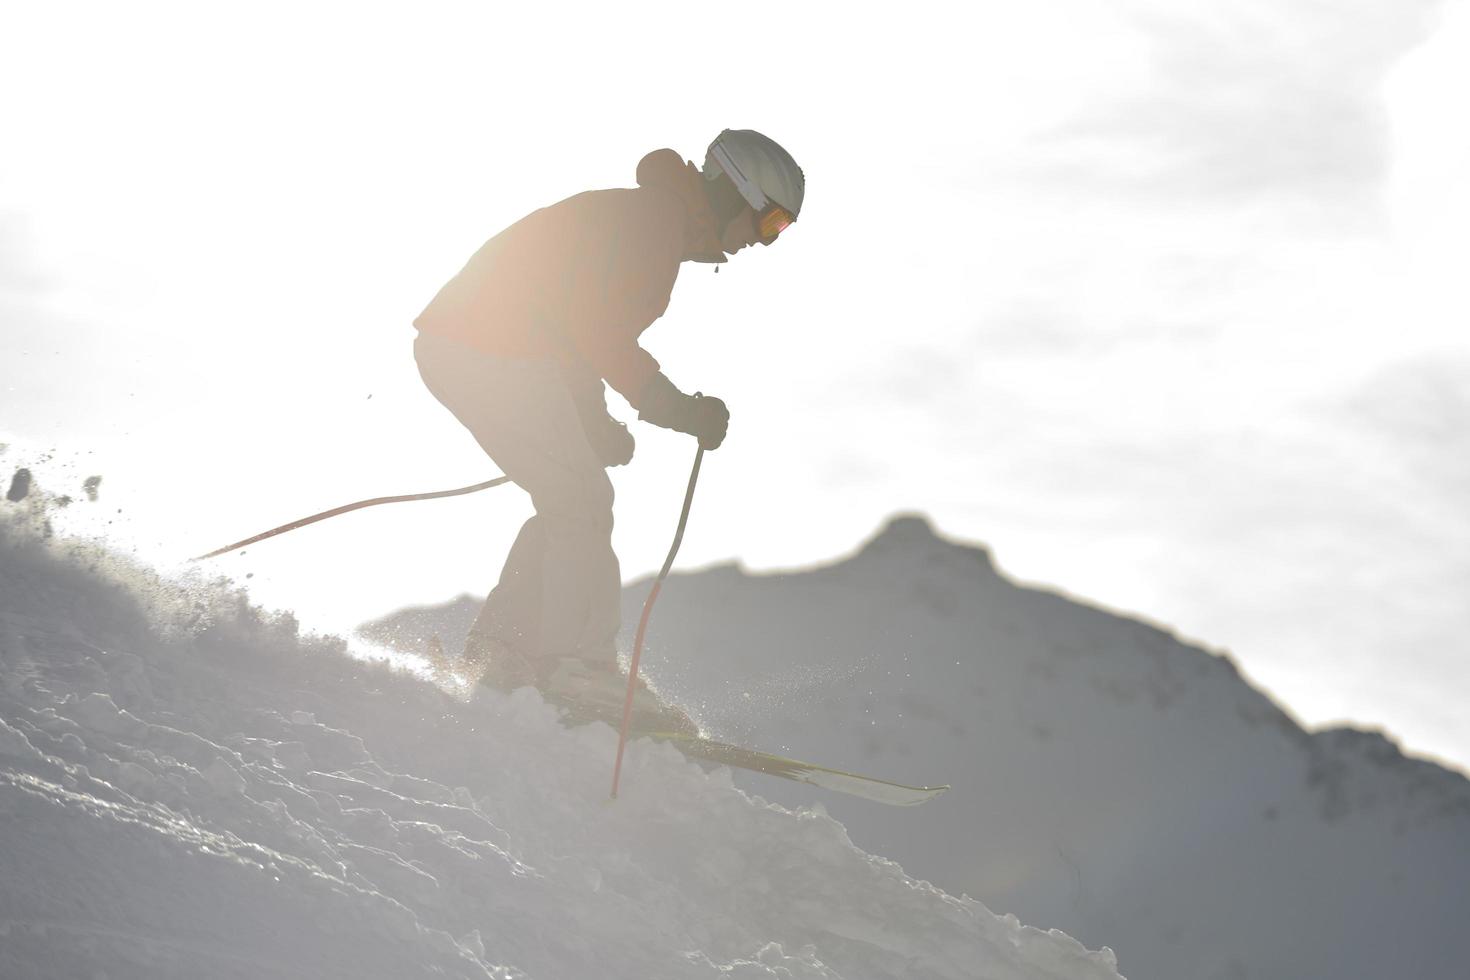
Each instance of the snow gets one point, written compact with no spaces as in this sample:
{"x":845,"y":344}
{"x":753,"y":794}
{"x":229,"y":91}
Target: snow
{"x":191,"y":787}
{"x":1109,"y":779}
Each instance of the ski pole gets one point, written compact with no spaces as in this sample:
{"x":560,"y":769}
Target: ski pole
{"x":350,"y":507}
{"x":643,"y":621}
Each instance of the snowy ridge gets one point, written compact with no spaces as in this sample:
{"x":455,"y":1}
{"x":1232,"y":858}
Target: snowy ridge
{"x":1109,"y":778}
{"x":188,"y":787}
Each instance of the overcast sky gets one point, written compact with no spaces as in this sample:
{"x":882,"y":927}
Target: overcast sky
{"x":1161,"y":301}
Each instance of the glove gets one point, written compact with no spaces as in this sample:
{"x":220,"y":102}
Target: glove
{"x":610,"y":440}
{"x":702,"y":416}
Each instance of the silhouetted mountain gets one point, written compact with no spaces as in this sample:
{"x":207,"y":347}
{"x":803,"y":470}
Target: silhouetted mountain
{"x":1110,"y":780}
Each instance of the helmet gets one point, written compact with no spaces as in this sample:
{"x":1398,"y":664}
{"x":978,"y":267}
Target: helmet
{"x":759,"y":168}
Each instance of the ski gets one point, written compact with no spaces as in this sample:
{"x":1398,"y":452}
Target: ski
{"x":853,"y":784}
{"x":739,"y":757}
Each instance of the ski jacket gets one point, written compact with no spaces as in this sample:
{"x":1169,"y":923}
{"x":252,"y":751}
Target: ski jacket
{"x":582,"y":279}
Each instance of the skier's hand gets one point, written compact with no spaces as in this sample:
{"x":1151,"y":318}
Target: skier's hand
{"x":712,"y":421}
{"x":705,"y":418}
{"x":612,"y":442}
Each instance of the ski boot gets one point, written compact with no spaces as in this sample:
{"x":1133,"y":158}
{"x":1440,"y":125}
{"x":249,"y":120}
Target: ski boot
{"x":499,"y":666}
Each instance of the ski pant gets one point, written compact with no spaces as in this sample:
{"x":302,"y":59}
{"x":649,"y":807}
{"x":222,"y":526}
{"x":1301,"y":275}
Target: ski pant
{"x":559,"y":591}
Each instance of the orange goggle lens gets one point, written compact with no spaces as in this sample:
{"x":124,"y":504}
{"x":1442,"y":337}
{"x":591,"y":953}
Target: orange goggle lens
{"x":772,"y":221}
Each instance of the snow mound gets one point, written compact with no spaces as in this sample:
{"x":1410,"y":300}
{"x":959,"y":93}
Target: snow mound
{"x":190,"y":787}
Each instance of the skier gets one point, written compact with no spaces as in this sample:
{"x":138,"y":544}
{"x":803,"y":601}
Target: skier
{"x":518,"y":344}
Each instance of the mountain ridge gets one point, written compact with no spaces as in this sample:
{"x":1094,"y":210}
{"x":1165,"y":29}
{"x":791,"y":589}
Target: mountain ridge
{"x":1133,"y":762}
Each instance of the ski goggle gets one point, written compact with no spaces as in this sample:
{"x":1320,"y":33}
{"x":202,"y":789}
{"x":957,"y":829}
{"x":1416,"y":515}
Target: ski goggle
{"x":770,"y":218}
{"x":772,"y":221}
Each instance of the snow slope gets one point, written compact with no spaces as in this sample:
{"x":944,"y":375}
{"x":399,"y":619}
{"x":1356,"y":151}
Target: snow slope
{"x":190,"y":788}
{"x":1109,"y":779}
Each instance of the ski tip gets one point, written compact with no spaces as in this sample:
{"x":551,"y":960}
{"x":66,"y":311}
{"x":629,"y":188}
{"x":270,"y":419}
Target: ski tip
{"x":852,"y":784}
{"x":923,"y":794}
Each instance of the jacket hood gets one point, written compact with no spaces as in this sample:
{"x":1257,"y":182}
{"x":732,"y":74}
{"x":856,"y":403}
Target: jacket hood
{"x":666,"y":170}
